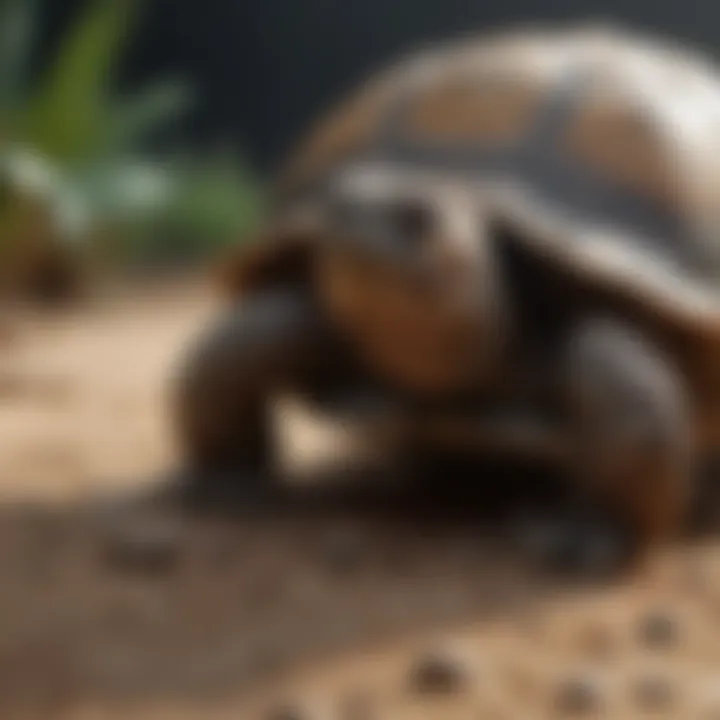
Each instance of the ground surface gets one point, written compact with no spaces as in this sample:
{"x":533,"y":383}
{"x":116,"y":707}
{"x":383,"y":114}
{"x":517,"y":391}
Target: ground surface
{"x":342,"y":613}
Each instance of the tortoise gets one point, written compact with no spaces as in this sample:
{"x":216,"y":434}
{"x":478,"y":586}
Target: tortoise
{"x":511,"y":240}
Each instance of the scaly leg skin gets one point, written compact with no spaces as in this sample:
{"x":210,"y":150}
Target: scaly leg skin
{"x":634,"y":462}
{"x":265,"y":344}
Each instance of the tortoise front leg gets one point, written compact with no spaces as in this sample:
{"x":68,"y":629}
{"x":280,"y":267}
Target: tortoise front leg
{"x":266,"y":343}
{"x":632,"y":431}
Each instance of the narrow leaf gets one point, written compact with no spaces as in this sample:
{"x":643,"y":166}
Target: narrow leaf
{"x":135,"y":118}
{"x":70,"y":115}
{"x":17,"y":33}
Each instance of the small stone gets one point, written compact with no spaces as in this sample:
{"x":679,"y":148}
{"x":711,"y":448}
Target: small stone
{"x":149,"y":548}
{"x":578,"y":696}
{"x":653,"y":693}
{"x":287,"y":712}
{"x":437,"y":673}
{"x":658,"y":630}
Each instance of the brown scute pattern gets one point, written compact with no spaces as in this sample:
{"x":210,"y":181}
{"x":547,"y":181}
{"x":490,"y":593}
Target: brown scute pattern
{"x":344,"y":130}
{"x":622,"y":142}
{"x":355,"y":122}
{"x":514,"y":64}
{"x":636,"y":127}
{"x":651,"y":125}
{"x":485,"y":110}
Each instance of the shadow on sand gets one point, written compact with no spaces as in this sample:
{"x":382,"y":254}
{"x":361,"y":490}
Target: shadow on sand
{"x":198,"y":606}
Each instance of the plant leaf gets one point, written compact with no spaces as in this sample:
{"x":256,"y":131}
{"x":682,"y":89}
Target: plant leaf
{"x":69,"y":116}
{"x":217,"y":201}
{"x":17,"y":33}
{"x":138,"y":116}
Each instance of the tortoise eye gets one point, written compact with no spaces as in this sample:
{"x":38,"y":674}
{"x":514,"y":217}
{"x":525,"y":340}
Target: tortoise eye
{"x":411,"y":221}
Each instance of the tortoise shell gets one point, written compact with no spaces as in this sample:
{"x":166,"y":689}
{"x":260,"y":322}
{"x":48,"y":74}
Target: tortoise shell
{"x":600,"y":145}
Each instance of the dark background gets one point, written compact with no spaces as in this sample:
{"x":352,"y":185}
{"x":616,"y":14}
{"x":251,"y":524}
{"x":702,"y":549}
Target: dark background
{"x":265,"y":68}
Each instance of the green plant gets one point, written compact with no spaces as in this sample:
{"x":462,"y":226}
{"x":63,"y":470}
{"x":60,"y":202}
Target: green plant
{"x":69,"y":124}
{"x":71,"y":113}
{"x":215,"y":202}
{"x":70,"y":144}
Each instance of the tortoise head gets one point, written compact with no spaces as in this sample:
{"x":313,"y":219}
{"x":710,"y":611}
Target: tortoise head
{"x":409,"y":272}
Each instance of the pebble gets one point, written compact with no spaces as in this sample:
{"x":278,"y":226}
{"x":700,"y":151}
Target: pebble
{"x":287,"y":712}
{"x":151,"y":548}
{"x":578,"y":696}
{"x":658,"y":630}
{"x":653,"y":693}
{"x":437,"y":673}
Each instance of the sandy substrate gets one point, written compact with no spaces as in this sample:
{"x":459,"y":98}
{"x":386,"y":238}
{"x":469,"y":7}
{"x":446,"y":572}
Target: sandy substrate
{"x":342,"y":614}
